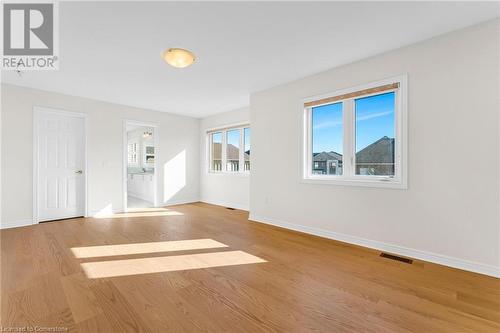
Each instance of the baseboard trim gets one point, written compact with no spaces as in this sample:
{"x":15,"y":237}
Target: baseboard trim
{"x":226,"y":204}
{"x":178,"y":202}
{"x":16,"y":223}
{"x":440,"y":259}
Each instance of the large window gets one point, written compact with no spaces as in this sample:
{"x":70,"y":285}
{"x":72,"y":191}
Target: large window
{"x":357,"y":136}
{"x":229,"y":150}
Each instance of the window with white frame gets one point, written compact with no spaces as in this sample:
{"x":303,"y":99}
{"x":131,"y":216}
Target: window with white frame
{"x":357,"y":136}
{"x":229,"y":149}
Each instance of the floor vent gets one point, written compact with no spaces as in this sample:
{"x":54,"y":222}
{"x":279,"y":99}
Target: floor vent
{"x":393,"y":257}
{"x":230,"y":208}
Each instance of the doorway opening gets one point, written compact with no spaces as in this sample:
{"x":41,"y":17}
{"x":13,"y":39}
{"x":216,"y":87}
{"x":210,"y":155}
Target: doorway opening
{"x":140,"y":156}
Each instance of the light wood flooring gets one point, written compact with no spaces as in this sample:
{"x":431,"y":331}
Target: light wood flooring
{"x":204,"y":268}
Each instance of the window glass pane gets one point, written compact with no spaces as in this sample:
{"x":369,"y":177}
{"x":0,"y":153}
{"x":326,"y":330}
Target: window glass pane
{"x":375,"y":135}
{"x":233,"y":150}
{"x":216,"y":159}
{"x":327,"y":139}
{"x":246,"y":155}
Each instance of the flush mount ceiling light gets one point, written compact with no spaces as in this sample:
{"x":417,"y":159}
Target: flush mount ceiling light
{"x":179,"y":58}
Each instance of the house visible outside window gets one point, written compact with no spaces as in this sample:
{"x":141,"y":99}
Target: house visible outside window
{"x":375,"y":135}
{"x":357,"y":136}
{"x":229,"y":150}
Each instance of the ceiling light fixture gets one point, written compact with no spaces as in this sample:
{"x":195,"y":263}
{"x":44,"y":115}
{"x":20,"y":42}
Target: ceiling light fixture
{"x":179,"y":58}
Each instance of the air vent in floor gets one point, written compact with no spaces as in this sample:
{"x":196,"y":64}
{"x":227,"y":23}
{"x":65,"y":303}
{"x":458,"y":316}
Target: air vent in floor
{"x":393,"y":257}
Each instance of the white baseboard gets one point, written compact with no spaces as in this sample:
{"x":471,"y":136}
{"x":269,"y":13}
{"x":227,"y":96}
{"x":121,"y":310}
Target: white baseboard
{"x":178,"y":202}
{"x":15,"y":224}
{"x":226,"y":204}
{"x":385,"y":247}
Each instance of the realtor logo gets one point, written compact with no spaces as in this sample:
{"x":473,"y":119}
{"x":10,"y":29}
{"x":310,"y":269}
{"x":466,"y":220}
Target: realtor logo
{"x":29,"y":36}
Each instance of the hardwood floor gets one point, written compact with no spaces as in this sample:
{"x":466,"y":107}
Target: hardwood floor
{"x":210,"y":269}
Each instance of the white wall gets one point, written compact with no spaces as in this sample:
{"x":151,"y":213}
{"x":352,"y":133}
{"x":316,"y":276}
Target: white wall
{"x":450,"y":212}
{"x":178,"y":162}
{"x":231,"y":190}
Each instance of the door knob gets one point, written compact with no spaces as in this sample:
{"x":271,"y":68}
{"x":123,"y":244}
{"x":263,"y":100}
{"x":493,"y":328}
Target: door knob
{"x":79,"y":172}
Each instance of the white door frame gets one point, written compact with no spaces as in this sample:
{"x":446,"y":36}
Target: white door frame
{"x":36,"y":112}
{"x":125,"y":159}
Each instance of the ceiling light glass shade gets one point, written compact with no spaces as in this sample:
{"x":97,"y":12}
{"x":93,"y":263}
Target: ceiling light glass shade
{"x":178,"y":58}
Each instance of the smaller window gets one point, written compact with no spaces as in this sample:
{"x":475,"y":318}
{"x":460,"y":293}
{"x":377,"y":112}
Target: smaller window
{"x":229,"y":150}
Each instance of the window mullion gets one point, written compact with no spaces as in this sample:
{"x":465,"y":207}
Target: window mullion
{"x":348,"y":118}
{"x":380,"y":126}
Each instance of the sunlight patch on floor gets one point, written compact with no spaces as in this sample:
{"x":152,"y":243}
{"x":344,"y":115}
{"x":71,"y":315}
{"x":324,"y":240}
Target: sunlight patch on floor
{"x":106,"y":269}
{"x":141,"y":248}
{"x":148,"y":209}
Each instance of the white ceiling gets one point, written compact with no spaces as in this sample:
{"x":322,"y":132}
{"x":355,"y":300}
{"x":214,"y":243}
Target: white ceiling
{"x":111,"y":51}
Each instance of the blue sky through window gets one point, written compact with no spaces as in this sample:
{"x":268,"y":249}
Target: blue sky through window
{"x":233,"y":138}
{"x":374,"y":119}
{"x":217,"y":137}
{"x":247,"y":138}
{"x":216,"y":142}
{"x":327,"y":134}
{"x":374,"y":116}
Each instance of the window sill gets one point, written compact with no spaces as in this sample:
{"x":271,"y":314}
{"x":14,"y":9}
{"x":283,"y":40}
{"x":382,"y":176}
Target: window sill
{"x":379,"y":183}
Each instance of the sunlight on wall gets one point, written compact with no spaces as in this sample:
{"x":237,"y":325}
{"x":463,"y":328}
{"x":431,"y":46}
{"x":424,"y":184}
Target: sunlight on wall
{"x":104,"y":269}
{"x":106,"y":211}
{"x":140,"y":248}
{"x":174,"y":176}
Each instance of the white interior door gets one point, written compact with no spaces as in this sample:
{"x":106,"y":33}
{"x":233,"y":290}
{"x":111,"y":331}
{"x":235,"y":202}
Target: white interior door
{"x":61,"y":165}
